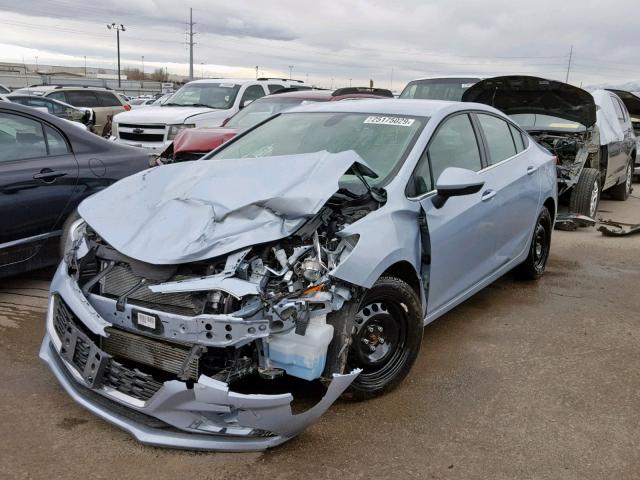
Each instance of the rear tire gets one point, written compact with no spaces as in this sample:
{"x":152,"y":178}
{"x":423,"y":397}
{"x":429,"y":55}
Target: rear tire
{"x":622,"y":191}
{"x":534,"y":266}
{"x":387,"y":339}
{"x":585,"y":195}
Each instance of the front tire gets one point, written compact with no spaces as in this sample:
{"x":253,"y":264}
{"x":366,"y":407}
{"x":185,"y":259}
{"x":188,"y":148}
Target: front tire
{"x":387,"y":339}
{"x":585,"y":195}
{"x":622,"y":191}
{"x":535,"y":264}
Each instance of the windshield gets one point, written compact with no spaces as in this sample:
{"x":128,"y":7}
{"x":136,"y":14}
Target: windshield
{"x":381,"y":141}
{"x":438,"y":89}
{"x":261,"y":110}
{"x":212,"y":95}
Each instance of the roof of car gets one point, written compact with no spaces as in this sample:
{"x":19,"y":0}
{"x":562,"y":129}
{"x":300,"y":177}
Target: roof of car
{"x":442,"y":77}
{"x":240,"y":81}
{"x":422,"y":108}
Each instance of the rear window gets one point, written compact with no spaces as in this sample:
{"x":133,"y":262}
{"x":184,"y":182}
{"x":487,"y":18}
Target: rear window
{"x":108,"y":99}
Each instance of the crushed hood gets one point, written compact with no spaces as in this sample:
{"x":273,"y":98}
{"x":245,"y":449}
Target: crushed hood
{"x":164,"y":115}
{"x":523,"y":94}
{"x":192,"y":211}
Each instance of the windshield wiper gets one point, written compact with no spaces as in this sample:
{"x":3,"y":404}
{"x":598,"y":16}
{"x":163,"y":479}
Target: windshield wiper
{"x":378,"y":194}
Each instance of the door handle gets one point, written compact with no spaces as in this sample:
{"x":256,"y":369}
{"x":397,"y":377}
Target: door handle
{"x":488,"y":195}
{"x":47,"y":175}
{"x":531,"y":170}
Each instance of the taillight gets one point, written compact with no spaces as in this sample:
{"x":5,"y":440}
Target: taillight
{"x":127,"y":107}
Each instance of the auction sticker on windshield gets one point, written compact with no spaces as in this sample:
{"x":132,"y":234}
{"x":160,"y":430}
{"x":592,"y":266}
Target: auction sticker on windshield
{"x":400,"y":121}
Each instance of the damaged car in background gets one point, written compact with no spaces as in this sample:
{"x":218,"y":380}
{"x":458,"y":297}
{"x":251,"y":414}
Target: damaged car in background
{"x":315,"y":246}
{"x":571,"y":124}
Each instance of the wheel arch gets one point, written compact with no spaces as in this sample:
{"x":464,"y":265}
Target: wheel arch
{"x":405,"y":272}
{"x":550,"y":203}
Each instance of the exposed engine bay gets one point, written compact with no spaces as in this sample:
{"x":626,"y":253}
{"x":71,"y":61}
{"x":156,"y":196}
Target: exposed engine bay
{"x":260,"y":310}
{"x":574,"y":151}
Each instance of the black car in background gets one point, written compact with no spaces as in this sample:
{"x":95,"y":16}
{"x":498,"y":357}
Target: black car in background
{"x":47,"y":167}
{"x":86,"y":116}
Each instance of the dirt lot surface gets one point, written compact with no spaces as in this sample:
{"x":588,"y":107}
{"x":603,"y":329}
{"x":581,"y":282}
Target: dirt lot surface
{"x":525,"y":380}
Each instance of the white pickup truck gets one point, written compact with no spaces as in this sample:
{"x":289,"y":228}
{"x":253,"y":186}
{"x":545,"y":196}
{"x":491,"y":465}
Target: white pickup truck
{"x":201,"y":103}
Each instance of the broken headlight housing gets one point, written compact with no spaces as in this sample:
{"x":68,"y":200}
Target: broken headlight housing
{"x":175,"y":129}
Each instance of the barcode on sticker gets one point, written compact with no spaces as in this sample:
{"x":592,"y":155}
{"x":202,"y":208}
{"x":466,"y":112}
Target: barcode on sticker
{"x":400,"y":121}
{"x":145,"y":320}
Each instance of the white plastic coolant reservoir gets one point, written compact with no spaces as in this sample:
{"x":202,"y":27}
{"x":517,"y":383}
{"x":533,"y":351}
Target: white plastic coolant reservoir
{"x":302,"y":356}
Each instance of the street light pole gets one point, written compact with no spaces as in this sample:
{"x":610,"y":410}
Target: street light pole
{"x":142,"y":83}
{"x":290,"y":71}
{"x":117,"y":28}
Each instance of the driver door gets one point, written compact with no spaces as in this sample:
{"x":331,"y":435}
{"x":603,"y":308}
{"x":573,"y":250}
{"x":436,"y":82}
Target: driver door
{"x":458,"y":239}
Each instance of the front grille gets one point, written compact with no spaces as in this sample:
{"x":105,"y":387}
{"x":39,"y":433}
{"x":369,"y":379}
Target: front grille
{"x":131,"y":382}
{"x":141,"y":137}
{"x":121,"y":280}
{"x":169,"y":357}
{"x":124,"y":347}
{"x":141,"y":133}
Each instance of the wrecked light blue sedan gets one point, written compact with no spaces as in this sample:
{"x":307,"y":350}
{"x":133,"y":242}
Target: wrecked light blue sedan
{"x":316,"y":245}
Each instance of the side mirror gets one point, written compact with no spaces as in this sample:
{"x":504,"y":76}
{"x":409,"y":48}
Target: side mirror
{"x":245,"y":103}
{"x":455,"y":182}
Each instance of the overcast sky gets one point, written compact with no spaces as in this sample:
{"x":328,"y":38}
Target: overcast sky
{"x":336,"y":39}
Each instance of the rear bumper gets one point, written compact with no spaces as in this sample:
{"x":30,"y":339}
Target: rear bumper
{"x":204,"y":416}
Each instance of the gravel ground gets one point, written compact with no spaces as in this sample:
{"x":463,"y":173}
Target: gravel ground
{"x":525,"y":380}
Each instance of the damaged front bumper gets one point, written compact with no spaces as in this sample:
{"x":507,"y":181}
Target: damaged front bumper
{"x":201,"y":415}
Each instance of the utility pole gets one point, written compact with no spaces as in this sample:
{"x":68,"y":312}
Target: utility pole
{"x":118,"y":28}
{"x":142,"y":83}
{"x":191,"y":44}
{"x":569,"y":65}
{"x":290,"y":71}
{"x":37,"y":68}
{"x":257,"y":71}
{"x":350,"y":81}
{"x":85,"y":66}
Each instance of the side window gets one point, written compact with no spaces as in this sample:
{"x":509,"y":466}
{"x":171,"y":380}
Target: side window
{"x":498,"y":136}
{"x":56,"y":142}
{"x":454,"y":145}
{"x":616,"y":107}
{"x":518,"y":138}
{"x":60,"y":96}
{"x":107,"y":99}
{"x":41,"y":103}
{"x":82,"y":99}
{"x":275,"y":88}
{"x":57,"y":108}
{"x":252,"y":93}
{"x":20,"y":138}
{"x":624,"y":110}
